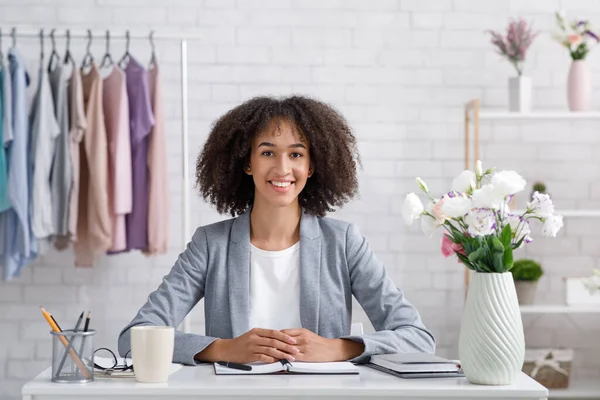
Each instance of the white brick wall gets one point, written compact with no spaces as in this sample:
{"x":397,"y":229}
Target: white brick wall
{"x":400,"y":71}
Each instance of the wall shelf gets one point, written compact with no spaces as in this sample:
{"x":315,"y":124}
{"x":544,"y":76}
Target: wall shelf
{"x":490,"y":115}
{"x":559,"y":309}
{"x":579,"y":389}
{"x":571,"y":213}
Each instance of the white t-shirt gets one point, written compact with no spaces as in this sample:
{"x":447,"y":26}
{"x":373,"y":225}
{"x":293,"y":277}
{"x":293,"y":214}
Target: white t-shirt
{"x":275,"y":288}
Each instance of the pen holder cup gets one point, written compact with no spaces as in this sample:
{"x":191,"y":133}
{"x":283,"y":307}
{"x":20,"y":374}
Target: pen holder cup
{"x":73,"y":356}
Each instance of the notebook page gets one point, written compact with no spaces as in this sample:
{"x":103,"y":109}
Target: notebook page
{"x":343,"y":367}
{"x":257,"y":369}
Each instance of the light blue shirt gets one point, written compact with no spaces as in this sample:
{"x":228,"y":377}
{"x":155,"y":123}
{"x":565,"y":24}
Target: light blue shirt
{"x":20,"y":247}
{"x":4,"y":201}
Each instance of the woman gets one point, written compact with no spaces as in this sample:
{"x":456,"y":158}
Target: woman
{"x":278,"y":280}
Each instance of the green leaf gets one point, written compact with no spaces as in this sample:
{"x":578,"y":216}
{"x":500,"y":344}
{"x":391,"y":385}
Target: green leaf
{"x":507,"y":259}
{"x":497,"y":245}
{"x":516,"y":245}
{"x":477,"y":255}
{"x":498,"y":262}
{"x":466,"y":261}
{"x":506,"y":236}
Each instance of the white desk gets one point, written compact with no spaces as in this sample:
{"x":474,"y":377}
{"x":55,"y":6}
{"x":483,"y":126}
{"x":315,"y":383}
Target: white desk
{"x":201,"y":383}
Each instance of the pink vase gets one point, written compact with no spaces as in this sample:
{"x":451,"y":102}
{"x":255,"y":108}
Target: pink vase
{"x":579,"y":86}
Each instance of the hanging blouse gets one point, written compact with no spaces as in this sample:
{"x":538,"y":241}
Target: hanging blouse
{"x":116,"y":117}
{"x":19,"y":245}
{"x":94,"y":225}
{"x":77,"y":126}
{"x":141,"y":121}
{"x":4,"y":201}
{"x":158,"y":206}
{"x":60,"y":180}
{"x":44,"y":130}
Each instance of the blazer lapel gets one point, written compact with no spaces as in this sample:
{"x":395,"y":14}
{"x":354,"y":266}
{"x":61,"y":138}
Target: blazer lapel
{"x":310,"y":271}
{"x":238,"y":274}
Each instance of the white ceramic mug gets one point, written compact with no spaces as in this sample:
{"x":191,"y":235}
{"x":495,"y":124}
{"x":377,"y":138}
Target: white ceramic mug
{"x":152,"y":352}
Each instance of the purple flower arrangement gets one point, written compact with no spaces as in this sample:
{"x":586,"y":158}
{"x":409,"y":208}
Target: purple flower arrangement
{"x":514,"y":45}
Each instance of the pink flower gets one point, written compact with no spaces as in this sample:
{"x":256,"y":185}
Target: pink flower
{"x":438,"y":212}
{"x":575,"y":39}
{"x":450,"y":248}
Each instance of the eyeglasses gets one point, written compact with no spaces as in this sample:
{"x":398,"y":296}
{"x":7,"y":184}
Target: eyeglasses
{"x":108,"y":354}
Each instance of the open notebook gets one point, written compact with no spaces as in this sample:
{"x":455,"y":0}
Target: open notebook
{"x":107,"y":363}
{"x":295,"y":367}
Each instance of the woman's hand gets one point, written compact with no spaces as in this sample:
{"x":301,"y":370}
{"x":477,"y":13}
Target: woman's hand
{"x":315,"y":348}
{"x":266,"y":345}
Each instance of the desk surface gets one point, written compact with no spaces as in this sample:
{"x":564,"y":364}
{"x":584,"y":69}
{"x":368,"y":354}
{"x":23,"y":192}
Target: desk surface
{"x":201,"y":382}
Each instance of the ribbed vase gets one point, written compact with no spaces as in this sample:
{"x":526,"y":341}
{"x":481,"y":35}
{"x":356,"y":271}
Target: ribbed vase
{"x":491,"y":345}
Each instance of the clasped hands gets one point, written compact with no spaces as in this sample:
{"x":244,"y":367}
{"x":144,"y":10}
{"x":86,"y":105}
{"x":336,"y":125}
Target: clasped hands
{"x":269,"y":345}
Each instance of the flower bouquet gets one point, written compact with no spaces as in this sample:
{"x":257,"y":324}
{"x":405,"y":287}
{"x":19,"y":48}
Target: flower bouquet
{"x":578,"y":37}
{"x":481,"y":230}
{"x":513,"y":47}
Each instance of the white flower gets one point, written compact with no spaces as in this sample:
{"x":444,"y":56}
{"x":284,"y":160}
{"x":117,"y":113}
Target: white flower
{"x":464,"y":181}
{"x":412,"y":209}
{"x":552,"y":225}
{"x":480,"y":222}
{"x":520,"y":228}
{"x":456,"y":206}
{"x":486,"y":197}
{"x":507,"y":182}
{"x":478,"y":168}
{"x":428,"y":225}
{"x":422,"y":185}
{"x":541,"y":205}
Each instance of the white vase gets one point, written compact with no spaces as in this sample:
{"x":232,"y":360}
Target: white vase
{"x":579,"y":86}
{"x":491,"y":344}
{"x":519,"y":94}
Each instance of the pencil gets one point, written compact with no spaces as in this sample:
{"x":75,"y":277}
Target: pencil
{"x":64,"y":341}
{"x":70,"y":346}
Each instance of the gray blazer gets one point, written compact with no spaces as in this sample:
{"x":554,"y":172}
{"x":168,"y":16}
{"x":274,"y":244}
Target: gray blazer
{"x":335,"y":263}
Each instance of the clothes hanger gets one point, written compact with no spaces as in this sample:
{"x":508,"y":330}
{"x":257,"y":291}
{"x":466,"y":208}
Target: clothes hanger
{"x":54,"y":55}
{"x":153,"y":61}
{"x":88,"y":59}
{"x":107,"y":60}
{"x":42,"y":46}
{"x":68,"y":56}
{"x":1,"y":53}
{"x":13,"y":34}
{"x":125,"y":59}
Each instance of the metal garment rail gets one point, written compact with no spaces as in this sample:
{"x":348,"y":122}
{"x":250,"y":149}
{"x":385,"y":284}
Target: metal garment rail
{"x":126,"y":35}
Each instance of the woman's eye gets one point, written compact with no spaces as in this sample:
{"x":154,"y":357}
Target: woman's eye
{"x":296,"y":155}
{"x":267,"y":153}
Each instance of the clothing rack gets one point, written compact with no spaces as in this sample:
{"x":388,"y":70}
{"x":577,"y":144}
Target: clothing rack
{"x":127,"y":35}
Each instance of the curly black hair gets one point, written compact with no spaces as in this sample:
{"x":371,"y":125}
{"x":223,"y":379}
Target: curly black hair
{"x":334,"y":156}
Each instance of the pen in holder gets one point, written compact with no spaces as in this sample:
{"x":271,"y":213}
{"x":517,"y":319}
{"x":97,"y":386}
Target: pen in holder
{"x":72,"y":356}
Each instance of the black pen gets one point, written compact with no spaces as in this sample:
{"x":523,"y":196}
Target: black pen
{"x":242,"y":367}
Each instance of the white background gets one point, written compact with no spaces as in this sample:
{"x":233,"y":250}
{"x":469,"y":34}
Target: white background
{"x":400,"y":71}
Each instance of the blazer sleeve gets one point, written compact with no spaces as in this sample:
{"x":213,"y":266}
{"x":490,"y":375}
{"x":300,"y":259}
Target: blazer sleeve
{"x":398,"y":326}
{"x":178,"y":293}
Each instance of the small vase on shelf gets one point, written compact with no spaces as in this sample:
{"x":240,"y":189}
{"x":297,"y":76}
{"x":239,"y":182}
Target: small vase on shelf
{"x":519,"y":94}
{"x":579,"y":86}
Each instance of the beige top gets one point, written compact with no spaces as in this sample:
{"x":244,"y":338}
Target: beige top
{"x":116,"y":118}
{"x":94,"y":224}
{"x":158,"y":202}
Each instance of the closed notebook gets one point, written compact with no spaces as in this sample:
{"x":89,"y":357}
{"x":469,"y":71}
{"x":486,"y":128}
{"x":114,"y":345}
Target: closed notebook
{"x":296,"y":367}
{"x":415,"y":363}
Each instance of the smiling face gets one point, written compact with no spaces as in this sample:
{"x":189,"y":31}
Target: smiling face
{"x":279,"y":164}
